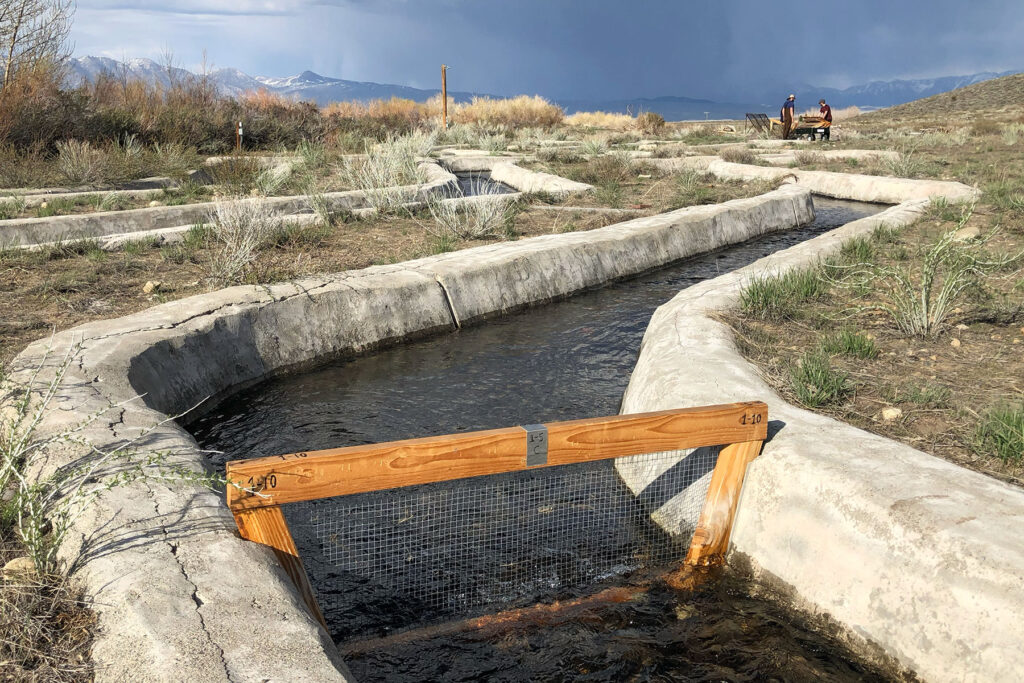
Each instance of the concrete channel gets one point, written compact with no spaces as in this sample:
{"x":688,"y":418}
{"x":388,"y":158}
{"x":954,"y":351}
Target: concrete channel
{"x":157,"y":556}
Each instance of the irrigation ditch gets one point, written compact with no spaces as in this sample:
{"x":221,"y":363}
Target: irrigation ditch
{"x":177,"y":355}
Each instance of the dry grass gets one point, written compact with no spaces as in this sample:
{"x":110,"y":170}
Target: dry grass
{"x":45,"y":631}
{"x":945,"y":382}
{"x":600,"y":119}
{"x":390,"y":111}
{"x":521,"y":111}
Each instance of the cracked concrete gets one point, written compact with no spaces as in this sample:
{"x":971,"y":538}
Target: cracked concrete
{"x":909,"y":553}
{"x":177,"y":594}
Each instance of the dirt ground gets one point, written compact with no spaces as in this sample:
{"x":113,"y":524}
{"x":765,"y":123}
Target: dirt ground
{"x":943,"y":386}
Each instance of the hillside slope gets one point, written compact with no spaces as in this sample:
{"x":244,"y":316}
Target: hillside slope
{"x":996,"y":95}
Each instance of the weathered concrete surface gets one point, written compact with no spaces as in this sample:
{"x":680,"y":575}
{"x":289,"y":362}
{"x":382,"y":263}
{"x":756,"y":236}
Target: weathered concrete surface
{"x":31,"y":231}
{"x":908,"y":552}
{"x":786,"y":158}
{"x":862,"y":188}
{"x":533,"y":181}
{"x":178,"y":595}
{"x":152,"y":183}
{"x":32,"y":200}
{"x":483,"y":162}
{"x":492,"y":280}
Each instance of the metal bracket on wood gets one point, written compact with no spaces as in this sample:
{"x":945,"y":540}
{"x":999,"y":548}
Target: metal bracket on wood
{"x":536,"y":445}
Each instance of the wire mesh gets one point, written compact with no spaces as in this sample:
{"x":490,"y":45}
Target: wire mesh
{"x":403,"y":557}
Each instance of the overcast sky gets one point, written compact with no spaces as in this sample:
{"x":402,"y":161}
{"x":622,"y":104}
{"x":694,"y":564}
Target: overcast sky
{"x":582,"y":49}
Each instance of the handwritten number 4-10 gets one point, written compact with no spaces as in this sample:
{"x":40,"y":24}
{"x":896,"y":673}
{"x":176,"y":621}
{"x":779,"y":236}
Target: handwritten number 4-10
{"x":269,"y":481}
{"x":751,"y":419}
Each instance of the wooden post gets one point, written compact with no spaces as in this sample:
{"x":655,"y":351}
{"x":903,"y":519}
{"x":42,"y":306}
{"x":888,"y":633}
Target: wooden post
{"x":267,"y":527}
{"x":238,"y":137}
{"x":444,"y":96}
{"x":711,"y":538}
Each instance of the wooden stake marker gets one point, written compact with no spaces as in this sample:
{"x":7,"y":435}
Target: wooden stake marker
{"x":259,"y":486}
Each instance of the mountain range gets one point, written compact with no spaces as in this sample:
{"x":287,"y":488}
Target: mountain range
{"x":324,"y":89}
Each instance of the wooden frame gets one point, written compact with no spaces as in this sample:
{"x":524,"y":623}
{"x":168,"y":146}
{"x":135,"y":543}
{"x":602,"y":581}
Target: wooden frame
{"x":257,"y":488}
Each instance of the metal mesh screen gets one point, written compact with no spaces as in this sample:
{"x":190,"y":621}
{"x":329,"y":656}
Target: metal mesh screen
{"x":403,"y":557}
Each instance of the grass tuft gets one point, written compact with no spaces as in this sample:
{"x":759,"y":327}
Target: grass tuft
{"x":816,"y":383}
{"x":778,"y":297}
{"x":849,"y":343}
{"x":1001,"y":433}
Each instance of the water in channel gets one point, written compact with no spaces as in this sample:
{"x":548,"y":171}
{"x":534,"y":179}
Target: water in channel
{"x":567,"y":360}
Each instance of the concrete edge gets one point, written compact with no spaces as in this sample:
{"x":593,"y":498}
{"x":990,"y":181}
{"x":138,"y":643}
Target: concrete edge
{"x":907,"y":552}
{"x":856,"y":187}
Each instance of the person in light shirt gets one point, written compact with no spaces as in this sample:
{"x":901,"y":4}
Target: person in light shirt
{"x":787,"y":114}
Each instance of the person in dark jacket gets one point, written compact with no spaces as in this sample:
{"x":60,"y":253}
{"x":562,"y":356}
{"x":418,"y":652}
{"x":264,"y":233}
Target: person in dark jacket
{"x":787,"y":115}
{"x":826,"y":113}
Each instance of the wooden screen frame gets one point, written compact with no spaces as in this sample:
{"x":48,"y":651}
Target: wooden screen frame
{"x":257,"y":488}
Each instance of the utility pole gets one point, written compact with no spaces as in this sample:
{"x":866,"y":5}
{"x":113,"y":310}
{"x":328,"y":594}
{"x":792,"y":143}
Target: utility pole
{"x":444,"y":96}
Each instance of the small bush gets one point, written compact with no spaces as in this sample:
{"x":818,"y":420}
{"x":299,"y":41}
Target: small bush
{"x":849,"y":343}
{"x":737,"y":155}
{"x":920,"y":302}
{"x":608,"y":168}
{"x":811,"y":159}
{"x":816,"y":383}
{"x":904,"y":165}
{"x":486,"y":214}
{"x":386,"y":172}
{"x":985,"y":127}
{"x":609,"y":194}
{"x":1001,"y":433}
{"x":650,"y":123}
{"x":236,"y":175}
{"x":594,"y":147}
{"x":241,"y":226}
{"x":777,"y":297}
{"x":79,"y":162}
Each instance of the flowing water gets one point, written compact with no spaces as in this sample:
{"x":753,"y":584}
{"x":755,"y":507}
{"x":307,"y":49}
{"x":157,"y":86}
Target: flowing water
{"x":562,"y":361}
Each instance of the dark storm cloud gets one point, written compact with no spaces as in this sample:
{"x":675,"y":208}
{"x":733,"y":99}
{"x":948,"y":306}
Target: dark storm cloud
{"x":591,"y":49}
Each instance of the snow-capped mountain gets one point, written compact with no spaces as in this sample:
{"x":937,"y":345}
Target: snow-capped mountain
{"x":306,"y":85}
{"x":324,"y":89}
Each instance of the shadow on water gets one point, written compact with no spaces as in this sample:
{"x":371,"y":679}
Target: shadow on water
{"x":563,"y":361}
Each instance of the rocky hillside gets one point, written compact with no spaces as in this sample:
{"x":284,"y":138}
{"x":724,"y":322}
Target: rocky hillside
{"x":1005,"y":94}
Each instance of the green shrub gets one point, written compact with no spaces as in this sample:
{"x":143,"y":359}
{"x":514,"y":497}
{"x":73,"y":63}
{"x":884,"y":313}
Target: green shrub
{"x":1001,"y":433}
{"x":816,"y":383}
